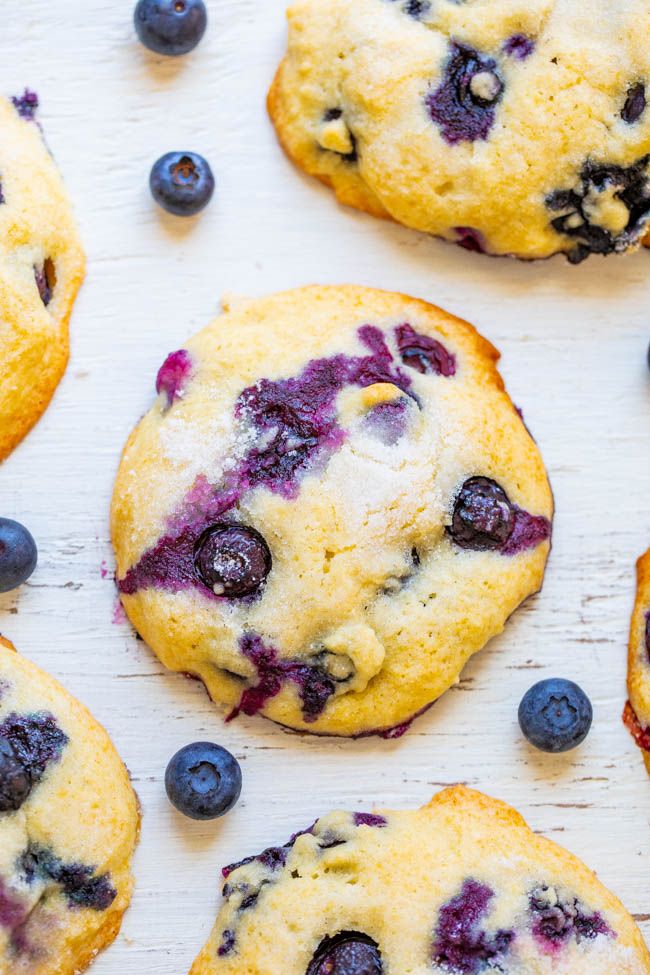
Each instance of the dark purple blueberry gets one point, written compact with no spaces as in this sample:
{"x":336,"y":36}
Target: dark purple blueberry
{"x":77,"y":880}
{"x":630,"y":185}
{"x":232,"y":560}
{"x":415,"y":8}
{"x":15,"y":780}
{"x":18,"y":554}
{"x":557,"y":918}
{"x":227,"y":943}
{"x":555,"y":715}
{"x":348,"y":953}
{"x":422,"y":353}
{"x":45,"y":277}
{"x":203,"y":780}
{"x":26,"y":104}
{"x":170,"y":27}
{"x":464,"y":102}
{"x":519,"y":46}
{"x":635,"y":103}
{"x":35,"y":741}
{"x":483,"y":517}
{"x":460,"y":944}
{"x":173,"y":375}
{"x":182,"y":183}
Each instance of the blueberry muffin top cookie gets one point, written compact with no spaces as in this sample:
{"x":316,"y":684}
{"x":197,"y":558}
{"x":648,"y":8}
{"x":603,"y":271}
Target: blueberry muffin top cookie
{"x":461,"y":886}
{"x":68,"y":826}
{"x":331,"y":506}
{"x":515,"y":127}
{"x":41,"y":268}
{"x":637,"y":709}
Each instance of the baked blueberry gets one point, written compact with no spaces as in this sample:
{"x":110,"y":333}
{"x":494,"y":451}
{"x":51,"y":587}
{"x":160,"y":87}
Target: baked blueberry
{"x":182,"y":183}
{"x":170,"y":27}
{"x":45,"y":277}
{"x":464,"y":102}
{"x":18,"y":554}
{"x":26,"y":104}
{"x":203,"y":780}
{"x":15,"y":780}
{"x":555,"y":715}
{"x":232,"y":560}
{"x":461,"y":944}
{"x":483,"y":517}
{"x":348,"y":953}
{"x":635,"y":103}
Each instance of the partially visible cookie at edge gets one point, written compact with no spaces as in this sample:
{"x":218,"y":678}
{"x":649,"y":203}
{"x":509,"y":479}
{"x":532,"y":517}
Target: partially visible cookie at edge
{"x":42,"y":265}
{"x":460,"y":886}
{"x":637,"y":710}
{"x":69,"y":822}
{"x":512,"y":128}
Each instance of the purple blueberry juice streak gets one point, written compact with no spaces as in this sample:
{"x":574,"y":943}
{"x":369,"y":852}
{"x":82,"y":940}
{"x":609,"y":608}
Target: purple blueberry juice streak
{"x":461,"y":115}
{"x":647,"y":634}
{"x":519,"y":46}
{"x":174,"y":374}
{"x":295,"y":424}
{"x":460,"y":943}
{"x":470,"y":239}
{"x":369,"y":819}
{"x":315,"y":686}
{"x":26,"y":104}
{"x":77,"y":881}
{"x":13,"y":910}
{"x":528,"y":532}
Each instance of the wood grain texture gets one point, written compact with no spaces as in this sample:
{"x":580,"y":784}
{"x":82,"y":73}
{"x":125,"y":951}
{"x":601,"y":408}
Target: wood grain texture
{"x":573,"y":343}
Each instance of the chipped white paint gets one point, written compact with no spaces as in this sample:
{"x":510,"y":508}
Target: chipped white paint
{"x":573,"y":343}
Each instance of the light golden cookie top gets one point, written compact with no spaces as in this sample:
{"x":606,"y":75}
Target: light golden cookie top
{"x":41,"y":268}
{"x":637,"y":709}
{"x":331,"y":506}
{"x":461,"y":886}
{"x":68,"y":826}
{"x":516,"y":127}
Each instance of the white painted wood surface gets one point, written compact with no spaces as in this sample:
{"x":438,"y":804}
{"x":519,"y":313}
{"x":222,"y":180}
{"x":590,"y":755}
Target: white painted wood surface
{"x":573,"y":343}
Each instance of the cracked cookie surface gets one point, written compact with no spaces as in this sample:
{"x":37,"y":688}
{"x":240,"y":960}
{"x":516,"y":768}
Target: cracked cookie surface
{"x":461,"y":886}
{"x":331,"y":506}
{"x":514,"y":128}
{"x":637,"y":710}
{"x":41,"y":269}
{"x":68,"y":826}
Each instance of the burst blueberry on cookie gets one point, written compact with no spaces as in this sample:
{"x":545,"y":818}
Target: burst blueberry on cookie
{"x":504,"y":127}
{"x":331,"y":506}
{"x":637,"y":710}
{"x":41,"y":268}
{"x":68,"y":827}
{"x":459,"y":887}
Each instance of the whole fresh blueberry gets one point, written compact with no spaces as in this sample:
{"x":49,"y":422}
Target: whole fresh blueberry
{"x":170,"y":26}
{"x":182,"y":183}
{"x":555,"y":715}
{"x":232,"y":560}
{"x":18,"y":554}
{"x":203,"y":780}
{"x":15,"y":780}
